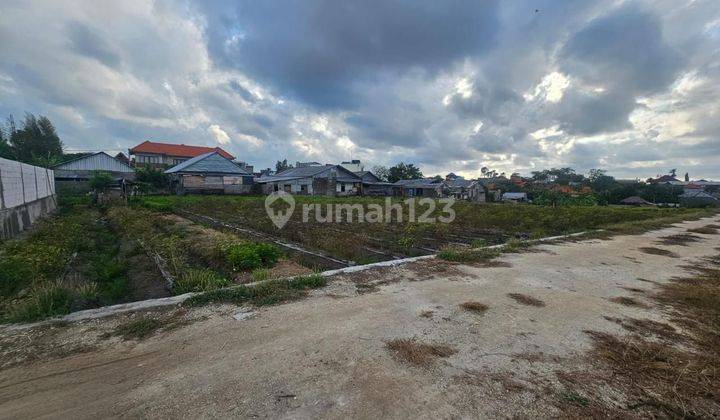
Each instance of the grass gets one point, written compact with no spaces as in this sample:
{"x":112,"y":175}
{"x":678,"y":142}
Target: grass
{"x":260,"y":274}
{"x":69,"y":261}
{"x":526,"y":300}
{"x":628,"y":301}
{"x":466,"y":255}
{"x":268,"y":293}
{"x":682,"y":239}
{"x":474,"y":225}
{"x":670,"y":374}
{"x":476,"y":307}
{"x":658,"y":251}
{"x":199,"y":280}
{"x":139,"y":329}
{"x":418,"y":354}
{"x":706,"y":230}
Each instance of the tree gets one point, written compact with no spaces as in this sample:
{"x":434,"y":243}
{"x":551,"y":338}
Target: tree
{"x":100,"y":181}
{"x":403,"y":171}
{"x":687,"y":177}
{"x":673,"y":172}
{"x":36,"y":142}
{"x":381,"y":172}
{"x":150,"y":178}
{"x":282,"y":165}
{"x":5,"y":149}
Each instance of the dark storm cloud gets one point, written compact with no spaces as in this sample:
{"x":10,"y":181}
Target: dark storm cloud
{"x":624,"y":55}
{"x":86,"y":42}
{"x":319,"y":50}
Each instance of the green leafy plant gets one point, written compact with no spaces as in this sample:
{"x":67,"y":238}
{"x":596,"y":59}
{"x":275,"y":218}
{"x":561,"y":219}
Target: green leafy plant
{"x":199,"y":280}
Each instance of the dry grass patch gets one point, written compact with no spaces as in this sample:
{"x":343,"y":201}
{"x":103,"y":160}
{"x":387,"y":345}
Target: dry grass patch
{"x":671,"y":374}
{"x":427,"y":314}
{"x":628,"y":301}
{"x":409,"y":350}
{"x":706,"y":230}
{"x":658,"y":251}
{"x":681,"y":239}
{"x":476,"y":307}
{"x":527,"y":300}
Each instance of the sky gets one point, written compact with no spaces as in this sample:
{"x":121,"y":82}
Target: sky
{"x":632,"y":87}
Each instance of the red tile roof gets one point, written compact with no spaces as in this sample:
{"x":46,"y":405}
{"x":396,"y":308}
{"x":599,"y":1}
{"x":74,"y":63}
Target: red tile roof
{"x":179,"y":150}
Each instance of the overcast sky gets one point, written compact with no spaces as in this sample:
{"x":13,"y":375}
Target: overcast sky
{"x":629,"y":86}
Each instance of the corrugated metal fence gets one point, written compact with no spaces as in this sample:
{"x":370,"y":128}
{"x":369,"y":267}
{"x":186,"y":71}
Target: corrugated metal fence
{"x":21,"y":183}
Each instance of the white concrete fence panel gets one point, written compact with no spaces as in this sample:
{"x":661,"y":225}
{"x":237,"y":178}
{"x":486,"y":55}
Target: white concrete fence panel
{"x":21,"y":183}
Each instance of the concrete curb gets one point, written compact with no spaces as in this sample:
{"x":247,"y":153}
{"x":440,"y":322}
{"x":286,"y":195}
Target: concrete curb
{"x":174,"y":300}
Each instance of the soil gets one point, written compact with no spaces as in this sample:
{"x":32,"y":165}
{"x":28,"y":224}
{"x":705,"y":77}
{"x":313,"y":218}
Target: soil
{"x":327,"y":356}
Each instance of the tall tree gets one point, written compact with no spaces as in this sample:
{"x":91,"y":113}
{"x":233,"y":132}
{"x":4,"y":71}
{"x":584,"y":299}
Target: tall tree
{"x":36,"y":142}
{"x":381,"y":172}
{"x":404,"y":171}
{"x":282,"y":165}
{"x":5,"y":149}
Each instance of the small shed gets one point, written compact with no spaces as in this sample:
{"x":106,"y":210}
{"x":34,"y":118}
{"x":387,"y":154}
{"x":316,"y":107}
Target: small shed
{"x":635,"y":201}
{"x":514,"y":197}
{"x":372,"y":186}
{"x":209,"y":173}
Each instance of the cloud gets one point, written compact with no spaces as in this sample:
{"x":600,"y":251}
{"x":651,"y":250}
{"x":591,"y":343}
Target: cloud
{"x":632,"y":87}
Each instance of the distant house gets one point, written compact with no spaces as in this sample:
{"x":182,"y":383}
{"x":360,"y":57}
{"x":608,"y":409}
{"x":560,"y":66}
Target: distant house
{"x":635,"y":201}
{"x":167,"y":154}
{"x":330,"y":180}
{"x":697,"y":198}
{"x":372,"y":186}
{"x":459,"y":188}
{"x":424,"y":187}
{"x":209,"y":173}
{"x":74,"y":174}
{"x":299,"y":164}
{"x":664,"y":179}
{"x":514,"y":197}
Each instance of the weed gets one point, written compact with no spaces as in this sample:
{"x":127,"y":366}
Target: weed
{"x":426,"y":314}
{"x":658,"y":251}
{"x":681,"y":239}
{"x":479,"y":243}
{"x":455,"y":254}
{"x":260,"y":274}
{"x":418,"y":354}
{"x":249,"y":256}
{"x":138,"y":329}
{"x":268,"y":293}
{"x":476,"y":307}
{"x":575,"y":398}
{"x":526,"y":300}
{"x":515,"y":245}
{"x":199,"y":280}
{"x":44,"y":302}
{"x":628,"y":301}
{"x":706,"y":230}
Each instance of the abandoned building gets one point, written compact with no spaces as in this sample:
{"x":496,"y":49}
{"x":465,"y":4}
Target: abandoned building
{"x":72,"y":176}
{"x":373,"y":186}
{"x":330,"y":180}
{"x":424,"y":187}
{"x":209,"y":173}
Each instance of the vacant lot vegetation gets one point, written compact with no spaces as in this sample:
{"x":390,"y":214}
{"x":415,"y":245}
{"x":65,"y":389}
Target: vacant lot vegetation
{"x":474,"y":224}
{"x":73,"y":260}
{"x":86,"y":257}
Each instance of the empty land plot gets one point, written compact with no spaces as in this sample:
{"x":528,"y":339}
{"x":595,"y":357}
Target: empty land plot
{"x":369,"y":242}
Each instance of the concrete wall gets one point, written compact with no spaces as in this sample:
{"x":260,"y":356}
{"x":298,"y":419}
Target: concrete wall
{"x":26,"y":193}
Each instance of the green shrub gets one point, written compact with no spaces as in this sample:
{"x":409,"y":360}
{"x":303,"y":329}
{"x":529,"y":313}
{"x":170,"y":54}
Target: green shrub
{"x":199,"y":280}
{"x":249,"y":256}
{"x":479,"y":243}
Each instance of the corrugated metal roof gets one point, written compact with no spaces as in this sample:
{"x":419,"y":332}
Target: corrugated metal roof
{"x":343,"y":174}
{"x":99,"y":161}
{"x":418,"y":183}
{"x":211,"y":162}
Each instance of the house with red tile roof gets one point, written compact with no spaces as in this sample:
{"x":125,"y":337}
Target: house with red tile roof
{"x":164,"y":154}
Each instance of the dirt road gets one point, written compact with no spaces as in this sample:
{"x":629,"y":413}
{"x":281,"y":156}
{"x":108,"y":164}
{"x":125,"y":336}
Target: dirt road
{"x":327,"y":356}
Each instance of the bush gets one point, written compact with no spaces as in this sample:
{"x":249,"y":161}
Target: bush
{"x":249,"y":256}
{"x":260,"y":274}
{"x":199,"y":280}
{"x":44,"y":302}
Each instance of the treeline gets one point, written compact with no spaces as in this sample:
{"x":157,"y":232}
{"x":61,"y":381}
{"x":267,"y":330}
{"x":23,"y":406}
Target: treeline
{"x":35,"y":141}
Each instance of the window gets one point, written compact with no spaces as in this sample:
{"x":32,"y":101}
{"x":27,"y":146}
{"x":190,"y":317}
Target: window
{"x":304,"y":189}
{"x":342,"y":187}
